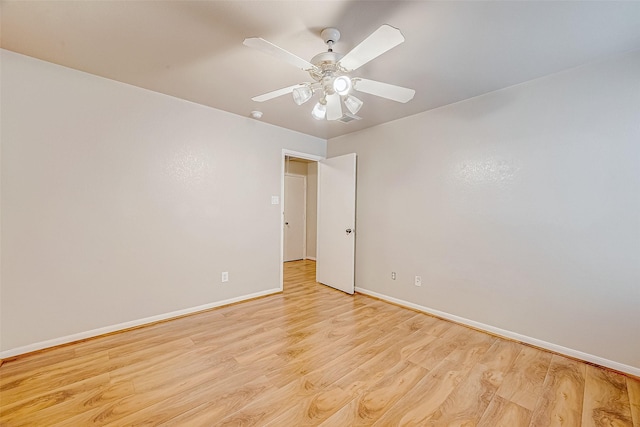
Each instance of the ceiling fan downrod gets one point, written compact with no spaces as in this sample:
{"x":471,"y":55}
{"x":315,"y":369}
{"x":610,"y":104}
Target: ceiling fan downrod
{"x":330,"y":36}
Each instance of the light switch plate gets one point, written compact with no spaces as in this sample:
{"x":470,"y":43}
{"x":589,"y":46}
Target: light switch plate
{"x":275,"y":200}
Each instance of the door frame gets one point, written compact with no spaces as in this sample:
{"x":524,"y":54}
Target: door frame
{"x":288,"y":153}
{"x":304,"y":223}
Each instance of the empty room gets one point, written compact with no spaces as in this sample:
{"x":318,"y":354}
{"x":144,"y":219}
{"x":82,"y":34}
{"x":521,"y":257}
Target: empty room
{"x":336,"y":213}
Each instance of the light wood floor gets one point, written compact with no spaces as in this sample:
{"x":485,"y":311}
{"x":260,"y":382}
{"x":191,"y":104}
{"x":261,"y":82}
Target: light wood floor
{"x":310,"y":356}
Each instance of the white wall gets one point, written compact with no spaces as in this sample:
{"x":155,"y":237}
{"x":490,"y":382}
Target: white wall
{"x":520,"y":209}
{"x":121,"y":204}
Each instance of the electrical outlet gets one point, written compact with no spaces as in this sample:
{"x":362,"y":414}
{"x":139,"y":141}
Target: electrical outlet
{"x":418,"y":281}
{"x":225,"y":276}
{"x":393,"y":275}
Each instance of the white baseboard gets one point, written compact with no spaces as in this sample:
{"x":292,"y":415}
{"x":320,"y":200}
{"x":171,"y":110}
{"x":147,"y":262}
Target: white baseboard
{"x":126,"y":325}
{"x":310,"y":258}
{"x":631,"y":370}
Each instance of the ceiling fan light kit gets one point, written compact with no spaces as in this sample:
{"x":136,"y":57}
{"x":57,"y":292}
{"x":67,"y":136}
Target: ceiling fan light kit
{"x":302,"y":94}
{"x":331,"y":71}
{"x":353,"y":104}
{"x":342,"y":85}
{"x":319,"y":111}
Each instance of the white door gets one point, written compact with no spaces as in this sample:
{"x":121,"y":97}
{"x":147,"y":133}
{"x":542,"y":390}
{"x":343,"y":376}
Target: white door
{"x":294,"y":217}
{"x":335,"y":256}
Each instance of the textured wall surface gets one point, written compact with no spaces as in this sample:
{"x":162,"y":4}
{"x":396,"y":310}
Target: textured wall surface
{"x":121,"y":204}
{"x":520,"y":209}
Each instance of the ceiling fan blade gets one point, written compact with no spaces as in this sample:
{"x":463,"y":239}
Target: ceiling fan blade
{"x":275,"y":93}
{"x":384,"y":90}
{"x":334,"y":107}
{"x":381,"y":40}
{"x":278,"y":52}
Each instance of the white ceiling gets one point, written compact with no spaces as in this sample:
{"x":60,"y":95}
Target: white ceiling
{"x":193,"y":50}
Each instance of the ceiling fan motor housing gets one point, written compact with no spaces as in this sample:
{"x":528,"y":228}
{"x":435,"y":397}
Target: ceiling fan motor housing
{"x":326,"y":63}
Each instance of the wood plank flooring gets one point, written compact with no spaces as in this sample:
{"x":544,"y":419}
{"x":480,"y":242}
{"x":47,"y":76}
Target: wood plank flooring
{"x":310,"y":356}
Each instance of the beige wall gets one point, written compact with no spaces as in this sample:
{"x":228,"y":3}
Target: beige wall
{"x":312,"y":208}
{"x":121,"y":205}
{"x":295,"y":167}
{"x":520,"y":209}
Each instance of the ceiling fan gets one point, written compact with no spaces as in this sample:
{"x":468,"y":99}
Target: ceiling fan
{"x":331,"y":71}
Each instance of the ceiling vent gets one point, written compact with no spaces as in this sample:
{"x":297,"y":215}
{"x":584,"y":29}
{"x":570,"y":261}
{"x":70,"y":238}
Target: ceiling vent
{"x":346,"y":118}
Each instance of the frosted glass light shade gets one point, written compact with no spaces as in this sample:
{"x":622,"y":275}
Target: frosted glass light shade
{"x":342,"y":85}
{"x":353,"y":104}
{"x":302,"y":94}
{"x":319,"y":111}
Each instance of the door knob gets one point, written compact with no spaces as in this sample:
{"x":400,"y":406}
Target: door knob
{"x":286,"y":223}
{"x":348,"y":230}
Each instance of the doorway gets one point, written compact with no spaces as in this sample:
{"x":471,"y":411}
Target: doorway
{"x":300,"y":187}
{"x":295,"y":217}
{"x":299,"y":212}
{"x":330,"y":234}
